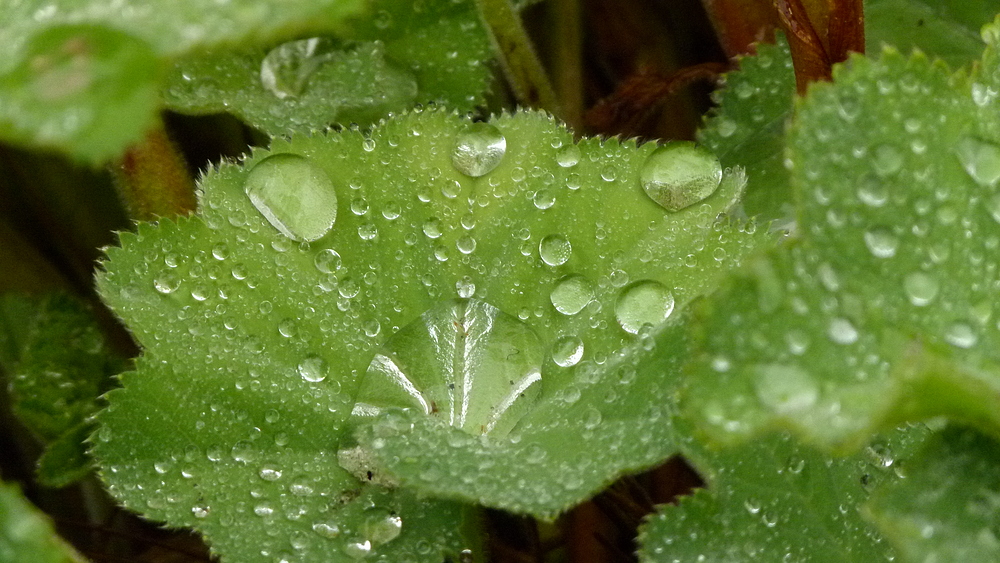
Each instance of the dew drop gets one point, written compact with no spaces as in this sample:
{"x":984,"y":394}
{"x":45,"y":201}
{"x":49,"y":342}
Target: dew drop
{"x":568,"y":156}
{"x":270,"y":472}
{"x":478,"y":149}
{"x":465,"y":287}
{"x":327,"y":261}
{"x":572,"y":294}
{"x":286,"y":69}
{"x":432,"y":228}
{"x":466,"y":244}
{"x":294,"y":195}
{"x":200,"y":511}
{"x":881,"y":242}
{"x":167,"y":283}
{"x":313,"y":369}
{"x":288,"y":328}
{"x":842,"y":331}
{"x":326,"y":529}
{"x":887,"y":160}
{"x":680,"y":174}
{"x":961,"y":335}
{"x":544,"y":199}
{"x":555,"y":250}
{"x":567,"y":351}
{"x":873,"y":192}
{"x":993,"y":206}
{"x":641,"y":303}
{"x":980,"y":159}
{"x":785,"y":389}
{"x":921,"y":288}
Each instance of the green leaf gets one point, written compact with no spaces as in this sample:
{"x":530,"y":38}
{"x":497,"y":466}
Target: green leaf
{"x":261,"y":340}
{"x":881,"y":312}
{"x":59,"y":364}
{"x":26,"y":534}
{"x":82,"y":77}
{"x":408,"y":53}
{"x":776,"y":500}
{"x":948,"y":507}
{"x":947,"y":29}
{"x":748,"y":128}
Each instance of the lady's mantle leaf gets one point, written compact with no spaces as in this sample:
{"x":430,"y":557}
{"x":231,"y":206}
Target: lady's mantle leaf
{"x":27,"y":535}
{"x":884,"y":310}
{"x":948,"y":507}
{"x":945,"y":29}
{"x":748,"y":128}
{"x":774,"y":500}
{"x":408,"y":53}
{"x":82,"y":77}
{"x":260,"y":340}
{"x":58,"y":365}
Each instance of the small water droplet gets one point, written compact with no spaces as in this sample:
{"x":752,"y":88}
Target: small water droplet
{"x":544,"y":198}
{"x":432,"y":228}
{"x":479,"y":148}
{"x":555,"y":250}
{"x":466,"y":244}
{"x":785,"y":389}
{"x":167,"y":283}
{"x":887,"y":160}
{"x":465,"y":287}
{"x":326,"y":529}
{"x":270,"y":472}
{"x":572,"y":294}
{"x":881,"y":242}
{"x":243,"y":451}
{"x":961,"y":335}
{"x":358,"y":550}
{"x":842,"y":331}
{"x":980,"y":159}
{"x":327,"y":261}
{"x":200,"y":511}
{"x":286,"y":69}
{"x":294,"y":195}
{"x":567,"y":351}
{"x":288,"y":328}
{"x":641,"y":303}
{"x":921,"y":288}
{"x":568,"y":156}
{"x":872,"y":192}
{"x":313,"y":369}
{"x":680,"y":174}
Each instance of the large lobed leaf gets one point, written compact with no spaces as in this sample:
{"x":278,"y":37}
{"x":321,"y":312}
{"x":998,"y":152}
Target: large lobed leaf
{"x":485,"y":247}
{"x":882,"y":310}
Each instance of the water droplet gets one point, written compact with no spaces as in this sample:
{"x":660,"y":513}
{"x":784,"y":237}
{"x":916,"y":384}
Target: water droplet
{"x":680,"y":174}
{"x":592,"y":419}
{"x":200,"y":510}
{"x":326,"y":529}
{"x":327,"y":261}
{"x":243,"y":451}
{"x":568,"y":156}
{"x":478,"y":149}
{"x":881,"y":242}
{"x":980,"y":159}
{"x":313,"y":369}
{"x":220,"y":251}
{"x":795,"y":464}
{"x":288,"y":328}
{"x":380,"y":529}
{"x":887,"y":160}
{"x":466,"y":244}
{"x":286,"y":69}
{"x":555,"y":250}
{"x":785,"y":389}
{"x":358,"y":550}
{"x":294,"y":195}
{"x":167,"y":283}
{"x":544,"y":198}
{"x":961,"y":335}
{"x":270,"y":472}
{"x":641,"y":303}
{"x":842,"y":331}
{"x":873,"y":192}
{"x":432,"y":228}
{"x":567,"y":351}
{"x":572,"y":294}
{"x":465,"y":287}
{"x":921,"y":288}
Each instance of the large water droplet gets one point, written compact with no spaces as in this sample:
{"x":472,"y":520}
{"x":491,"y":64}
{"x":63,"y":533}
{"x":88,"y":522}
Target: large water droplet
{"x":478,"y":149}
{"x":842,"y":331}
{"x":567,"y":351}
{"x":555,"y":250}
{"x":785,"y":389}
{"x":167,"y":283}
{"x":881,"y":242}
{"x":641,"y":303}
{"x":980,"y":159}
{"x":921,"y":288}
{"x":286,"y":69}
{"x":382,"y":527}
{"x":465,"y":361}
{"x":572,"y":294}
{"x":961,"y":335}
{"x":294,"y":195}
{"x":327,"y":261}
{"x":313,"y":369}
{"x":568,"y":156}
{"x":680,"y":174}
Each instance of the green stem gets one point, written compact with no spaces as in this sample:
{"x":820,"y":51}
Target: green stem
{"x":568,"y":73}
{"x":521,"y":64}
{"x":152,"y":178}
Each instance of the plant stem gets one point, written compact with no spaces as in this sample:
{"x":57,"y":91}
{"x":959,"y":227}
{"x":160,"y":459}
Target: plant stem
{"x":521,"y":64}
{"x":568,"y":63}
{"x":152,"y":178}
